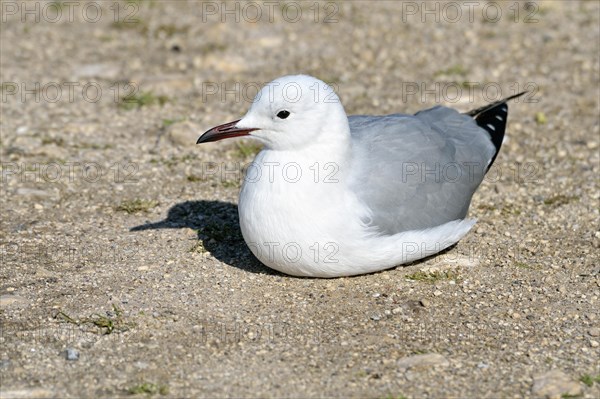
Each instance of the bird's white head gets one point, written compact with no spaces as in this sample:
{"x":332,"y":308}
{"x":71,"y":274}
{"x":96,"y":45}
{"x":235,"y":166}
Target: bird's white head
{"x":289,"y":113}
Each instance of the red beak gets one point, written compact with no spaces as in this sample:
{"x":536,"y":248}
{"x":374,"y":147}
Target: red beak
{"x":224,"y":131}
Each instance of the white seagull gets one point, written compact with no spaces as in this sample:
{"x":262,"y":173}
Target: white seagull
{"x":332,"y":195}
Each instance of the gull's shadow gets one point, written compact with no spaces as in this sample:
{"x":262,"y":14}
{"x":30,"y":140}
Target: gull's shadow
{"x":218,"y":228}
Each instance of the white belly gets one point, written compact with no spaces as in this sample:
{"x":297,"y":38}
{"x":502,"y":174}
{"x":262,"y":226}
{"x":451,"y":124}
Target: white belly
{"x":307,"y":228}
{"x":296,"y":226}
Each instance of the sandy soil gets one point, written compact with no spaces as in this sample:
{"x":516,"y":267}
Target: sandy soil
{"x":123,"y":269}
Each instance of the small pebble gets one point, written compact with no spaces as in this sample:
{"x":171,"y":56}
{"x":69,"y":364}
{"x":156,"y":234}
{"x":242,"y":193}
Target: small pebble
{"x":72,"y":354}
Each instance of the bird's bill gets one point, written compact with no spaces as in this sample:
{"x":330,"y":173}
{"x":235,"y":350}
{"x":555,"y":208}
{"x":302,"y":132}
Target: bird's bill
{"x":224,"y":131}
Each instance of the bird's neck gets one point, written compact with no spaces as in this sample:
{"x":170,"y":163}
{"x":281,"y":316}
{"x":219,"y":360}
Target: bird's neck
{"x":325,"y":158}
{"x":333,"y":144}
{"x":316,"y":165}
{"x":323,"y":151}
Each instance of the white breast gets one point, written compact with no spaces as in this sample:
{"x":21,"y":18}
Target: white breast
{"x":304,"y":225}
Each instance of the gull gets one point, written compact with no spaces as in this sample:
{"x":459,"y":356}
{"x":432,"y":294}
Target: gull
{"x":332,"y":195}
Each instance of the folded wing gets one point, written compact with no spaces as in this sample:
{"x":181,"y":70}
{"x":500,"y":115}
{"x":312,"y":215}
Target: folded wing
{"x":418,"y":171}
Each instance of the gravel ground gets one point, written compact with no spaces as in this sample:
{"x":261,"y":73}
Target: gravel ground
{"x":123,"y":269}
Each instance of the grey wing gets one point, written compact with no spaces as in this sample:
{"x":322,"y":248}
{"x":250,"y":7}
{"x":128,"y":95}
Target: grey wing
{"x":418,"y":171}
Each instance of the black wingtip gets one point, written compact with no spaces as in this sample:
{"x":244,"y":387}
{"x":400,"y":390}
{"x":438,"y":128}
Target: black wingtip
{"x":487,"y":107}
{"x":492,"y":118}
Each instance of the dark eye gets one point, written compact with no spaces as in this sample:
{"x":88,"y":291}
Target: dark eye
{"x":283,"y":114}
